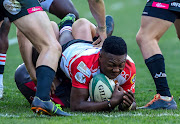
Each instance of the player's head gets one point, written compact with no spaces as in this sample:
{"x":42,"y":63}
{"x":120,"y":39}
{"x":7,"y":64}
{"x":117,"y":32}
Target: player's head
{"x":113,"y":56}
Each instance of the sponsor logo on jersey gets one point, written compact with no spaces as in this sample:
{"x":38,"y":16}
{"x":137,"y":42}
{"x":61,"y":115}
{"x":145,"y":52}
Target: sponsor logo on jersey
{"x":34,"y":9}
{"x":80,"y":77}
{"x":175,"y":4}
{"x":12,"y":6}
{"x":133,"y":79}
{"x":82,"y":67}
{"x":161,"y":74}
{"x":160,"y":5}
{"x":125,"y":75}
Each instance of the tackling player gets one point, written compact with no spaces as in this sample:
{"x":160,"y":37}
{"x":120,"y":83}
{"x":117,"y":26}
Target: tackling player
{"x":80,"y":61}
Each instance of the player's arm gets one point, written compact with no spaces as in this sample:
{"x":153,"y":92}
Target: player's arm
{"x":97,"y":8}
{"x":79,"y":97}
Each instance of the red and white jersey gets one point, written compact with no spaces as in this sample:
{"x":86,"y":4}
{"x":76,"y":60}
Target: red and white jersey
{"x":80,"y":63}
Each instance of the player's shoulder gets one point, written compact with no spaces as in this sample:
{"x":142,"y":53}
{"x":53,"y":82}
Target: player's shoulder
{"x":129,"y":59}
{"x":130,"y":65}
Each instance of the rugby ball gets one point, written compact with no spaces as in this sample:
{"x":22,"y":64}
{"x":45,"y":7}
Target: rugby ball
{"x":101,"y":88}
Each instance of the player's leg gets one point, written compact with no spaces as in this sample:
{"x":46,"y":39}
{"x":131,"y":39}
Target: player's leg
{"x":151,"y":30}
{"x":43,"y":38}
{"x":25,"y":47}
{"x":61,"y":8}
{"x":4,"y":30}
{"x":24,"y":83}
{"x":177,"y":26}
{"x":84,"y":30}
{"x":65,"y":29}
{"x":36,"y":26}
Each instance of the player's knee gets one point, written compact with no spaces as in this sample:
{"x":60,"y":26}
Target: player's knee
{"x":19,"y":33}
{"x":82,"y":22}
{"x":139,"y":38}
{"x":56,"y":48}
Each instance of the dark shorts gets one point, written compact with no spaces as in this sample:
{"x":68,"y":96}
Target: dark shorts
{"x":15,"y":9}
{"x":28,"y":88}
{"x":160,"y":13}
{"x":74,"y":41}
{"x":1,"y":18}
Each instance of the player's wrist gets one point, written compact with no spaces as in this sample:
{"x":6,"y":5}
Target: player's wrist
{"x":102,"y":28}
{"x":109,"y":104}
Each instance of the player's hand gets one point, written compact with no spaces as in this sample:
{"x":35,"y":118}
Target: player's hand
{"x":117,"y":96}
{"x":34,"y":79}
{"x":101,"y":34}
{"x":128,"y":102}
{"x":53,"y":88}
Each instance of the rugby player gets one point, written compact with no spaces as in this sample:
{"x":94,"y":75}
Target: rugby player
{"x":157,"y":17}
{"x":60,"y":8}
{"x":4,"y":30}
{"x":87,"y":61}
{"x":30,"y":18}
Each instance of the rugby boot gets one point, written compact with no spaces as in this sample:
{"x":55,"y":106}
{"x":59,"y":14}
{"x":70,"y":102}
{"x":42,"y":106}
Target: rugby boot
{"x":159,"y":103}
{"x":68,"y":20}
{"x":109,"y":25}
{"x":47,"y":108}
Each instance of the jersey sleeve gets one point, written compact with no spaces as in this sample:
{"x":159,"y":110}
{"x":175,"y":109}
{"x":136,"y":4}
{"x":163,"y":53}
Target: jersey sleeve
{"x":130,"y":82}
{"x":80,"y":75}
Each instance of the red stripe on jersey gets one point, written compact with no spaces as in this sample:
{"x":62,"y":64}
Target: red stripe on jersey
{"x":2,"y":56}
{"x":2,"y":60}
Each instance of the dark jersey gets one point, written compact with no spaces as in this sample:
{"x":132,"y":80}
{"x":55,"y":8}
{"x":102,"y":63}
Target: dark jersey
{"x":173,"y":5}
{"x":14,"y":9}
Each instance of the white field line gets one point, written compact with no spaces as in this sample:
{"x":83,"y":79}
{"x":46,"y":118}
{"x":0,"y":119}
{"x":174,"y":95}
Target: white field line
{"x":135,"y":115}
{"x":104,"y":115}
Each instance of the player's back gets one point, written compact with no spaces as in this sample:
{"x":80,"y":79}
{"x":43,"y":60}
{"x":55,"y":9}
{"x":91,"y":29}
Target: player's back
{"x":75,"y":51}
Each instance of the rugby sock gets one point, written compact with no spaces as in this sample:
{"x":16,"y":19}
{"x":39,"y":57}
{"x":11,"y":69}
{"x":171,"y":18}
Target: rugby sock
{"x":2,"y":64}
{"x":65,"y":28}
{"x":156,"y":67}
{"x":45,"y":76}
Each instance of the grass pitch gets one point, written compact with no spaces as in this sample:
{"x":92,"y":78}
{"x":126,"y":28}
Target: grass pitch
{"x":14,"y":109}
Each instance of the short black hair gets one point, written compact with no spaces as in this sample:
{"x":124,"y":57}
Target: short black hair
{"x":115,"y":45}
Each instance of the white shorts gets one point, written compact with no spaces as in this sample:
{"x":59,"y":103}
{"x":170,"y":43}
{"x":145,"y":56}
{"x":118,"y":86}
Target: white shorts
{"x":46,"y":4}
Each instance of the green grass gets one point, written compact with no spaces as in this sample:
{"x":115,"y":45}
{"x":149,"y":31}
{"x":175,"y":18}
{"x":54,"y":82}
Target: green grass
{"x":14,"y":109}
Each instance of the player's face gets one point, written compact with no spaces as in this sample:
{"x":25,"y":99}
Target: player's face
{"x":112,"y":65}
